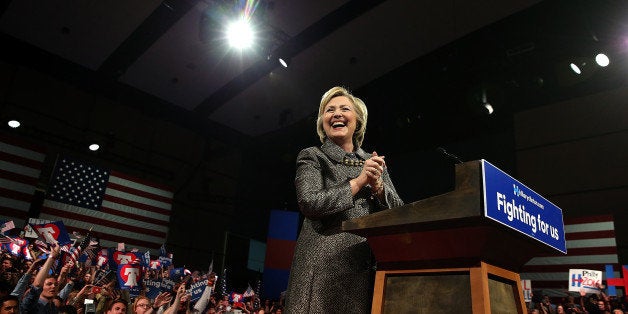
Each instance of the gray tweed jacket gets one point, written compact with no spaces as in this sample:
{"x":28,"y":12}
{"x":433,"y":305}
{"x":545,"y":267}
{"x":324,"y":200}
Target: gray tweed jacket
{"x":332,"y":270}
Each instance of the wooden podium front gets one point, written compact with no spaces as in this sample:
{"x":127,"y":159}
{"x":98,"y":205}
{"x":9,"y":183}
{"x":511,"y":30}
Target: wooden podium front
{"x":441,"y":255}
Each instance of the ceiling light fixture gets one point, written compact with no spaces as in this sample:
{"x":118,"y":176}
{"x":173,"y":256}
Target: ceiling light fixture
{"x":14,"y":123}
{"x":284,"y":62}
{"x":602,"y":60}
{"x":94,"y":147}
{"x":489,"y":108}
{"x":486,"y":104}
{"x":575,"y":68}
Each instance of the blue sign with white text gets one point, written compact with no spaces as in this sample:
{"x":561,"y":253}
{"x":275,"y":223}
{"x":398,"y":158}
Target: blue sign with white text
{"x":513,"y":204}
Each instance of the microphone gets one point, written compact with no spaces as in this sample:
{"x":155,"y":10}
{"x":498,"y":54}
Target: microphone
{"x":449,"y":155}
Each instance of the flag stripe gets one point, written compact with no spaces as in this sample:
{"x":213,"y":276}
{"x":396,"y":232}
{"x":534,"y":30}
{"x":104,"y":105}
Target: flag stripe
{"x":17,"y":186}
{"x":140,"y":184}
{"x":591,"y":243}
{"x":593,"y":250}
{"x":590,"y":235}
{"x":14,"y":204}
{"x":71,"y":211}
{"x":16,"y":195}
{"x":528,"y":269}
{"x":105,"y":222}
{"x":14,"y":214}
{"x":111,"y":233}
{"x":19,"y":169}
{"x":145,"y":202}
{"x":157,"y":198}
{"x":588,"y":227}
{"x":17,"y":177}
{"x":134,"y":216}
{"x":130,"y":203}
{"x":134,"y":211}
{"x":16,"y":159}
{"x":579,"y":259}
{"x":589,"y":219}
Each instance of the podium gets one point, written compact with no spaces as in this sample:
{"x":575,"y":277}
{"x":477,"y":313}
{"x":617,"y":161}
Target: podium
{"x":445,"y":254}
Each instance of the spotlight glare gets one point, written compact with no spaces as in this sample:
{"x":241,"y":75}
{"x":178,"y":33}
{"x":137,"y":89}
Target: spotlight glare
{"x":94,"y":147}
{"x":14,"y":124}
{"x":602,"y":60}
{"x":239,"y":34}
{"x":575,"y":68}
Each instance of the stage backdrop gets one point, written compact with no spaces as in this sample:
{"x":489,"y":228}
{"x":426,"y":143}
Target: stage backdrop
{"x":282,"y":238}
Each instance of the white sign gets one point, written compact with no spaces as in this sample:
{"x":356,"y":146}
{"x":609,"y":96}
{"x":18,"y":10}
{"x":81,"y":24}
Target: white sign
{"x":584,"y":279}
{"x":526,"y":286}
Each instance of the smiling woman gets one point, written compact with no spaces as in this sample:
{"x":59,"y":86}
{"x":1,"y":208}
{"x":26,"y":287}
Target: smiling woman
{"x":332,"y":271}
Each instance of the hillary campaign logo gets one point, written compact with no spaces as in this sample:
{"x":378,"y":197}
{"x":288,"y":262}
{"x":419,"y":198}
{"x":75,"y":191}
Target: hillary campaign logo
{"x":584,"y":279}
{"x":54,"y":232}
{"x":613,"y":282}
{"x":155,"y":264}
{"x":129,"y":277}
{"x":17,"y":247}
{"x":122,"y":258}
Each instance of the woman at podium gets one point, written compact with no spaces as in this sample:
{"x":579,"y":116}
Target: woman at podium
{"x":332,"y":271}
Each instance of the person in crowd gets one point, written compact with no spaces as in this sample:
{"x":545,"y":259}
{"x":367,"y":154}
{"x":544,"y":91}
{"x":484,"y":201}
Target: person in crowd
{"x":142,"y":305}
{"x":117,"y":306}
{"x":7,"y":263}
{"x":560,"y":309}
{"x":545,"y":306}
{"x":39,"y":299}
{"x":571,"y":307}
{"x":332,"y":271}
{"x":9,"y":304}
{"x":178,"y":300}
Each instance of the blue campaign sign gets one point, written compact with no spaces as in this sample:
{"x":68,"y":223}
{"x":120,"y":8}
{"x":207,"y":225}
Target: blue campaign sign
{"x":513,"y":204}
{"x":197,"y":289}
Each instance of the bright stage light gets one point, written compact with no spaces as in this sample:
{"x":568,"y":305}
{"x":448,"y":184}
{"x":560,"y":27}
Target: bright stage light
{"x":94,"y":147}
{"x":575,"y":68}
{"x":239,"y":34}
{"x":602,"y":60}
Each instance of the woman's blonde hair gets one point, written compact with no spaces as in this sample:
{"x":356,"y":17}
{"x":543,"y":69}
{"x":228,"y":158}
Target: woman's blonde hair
{"x":138,"y":299}
{"x":360,"y":110}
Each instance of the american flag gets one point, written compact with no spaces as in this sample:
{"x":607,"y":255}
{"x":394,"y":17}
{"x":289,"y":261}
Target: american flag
{"x":5,"y":239}
{"x":591,"y":245}
{"x":76,"y":250}
{"x":119,"y":207}
{"x":249,"y":292}
{"x":20,"y":167}
{"x":6,"y":226}
{"x":73,"y":252}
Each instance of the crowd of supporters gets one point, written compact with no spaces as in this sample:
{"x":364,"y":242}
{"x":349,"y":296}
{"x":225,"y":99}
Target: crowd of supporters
{"x":595,"y":303}
{"x":48,"y":283}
